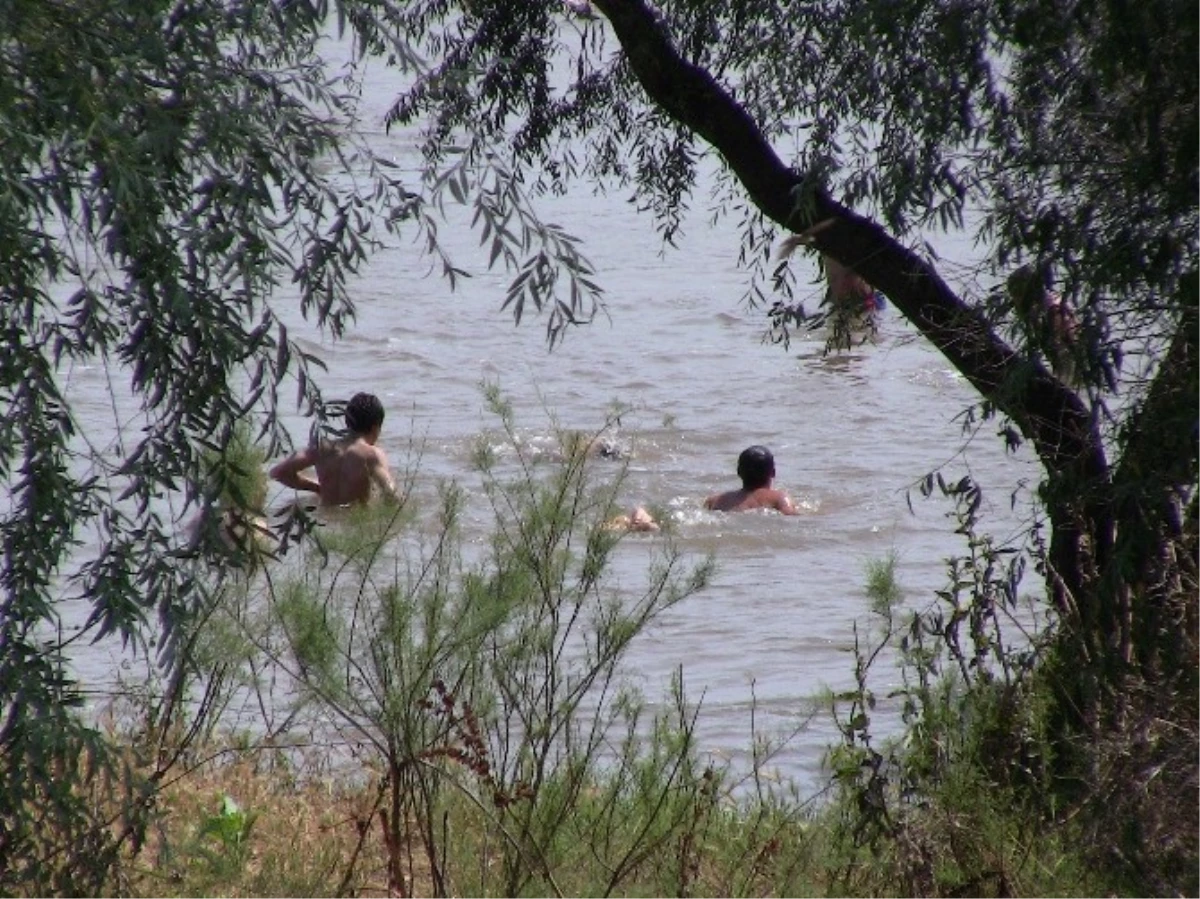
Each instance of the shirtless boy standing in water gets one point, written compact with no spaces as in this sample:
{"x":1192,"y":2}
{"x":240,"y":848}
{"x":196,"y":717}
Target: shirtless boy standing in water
{"x":346,"y":468}
{"x":756,"y":468}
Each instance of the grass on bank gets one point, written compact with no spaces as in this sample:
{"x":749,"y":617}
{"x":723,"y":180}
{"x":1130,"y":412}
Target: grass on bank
{"x":431,"y":726}
{"x":321,"y":834}
{"x":906,"y":818}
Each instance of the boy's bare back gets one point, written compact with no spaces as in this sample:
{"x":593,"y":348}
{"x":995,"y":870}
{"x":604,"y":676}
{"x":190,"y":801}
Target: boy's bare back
{"x":746,"y":500}
{"x":345,"y":468}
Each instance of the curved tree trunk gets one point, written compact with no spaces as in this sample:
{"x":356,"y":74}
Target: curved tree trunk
{"x":1046,"y":411}
{"x":1085,"y":581}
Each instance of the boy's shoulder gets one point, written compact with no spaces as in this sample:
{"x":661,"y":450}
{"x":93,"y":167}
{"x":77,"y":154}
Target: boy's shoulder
{"x":778,"y":499}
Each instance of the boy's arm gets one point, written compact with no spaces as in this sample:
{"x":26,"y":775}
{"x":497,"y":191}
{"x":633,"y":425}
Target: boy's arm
{"x":783,"y":503}
{"x":381,"y":474}
{"x":288,"y":471}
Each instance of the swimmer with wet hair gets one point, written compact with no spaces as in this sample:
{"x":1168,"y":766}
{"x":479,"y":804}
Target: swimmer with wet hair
{"x":756,"y":468}
{"x":364,"y":413}
{"x":347,"y":468}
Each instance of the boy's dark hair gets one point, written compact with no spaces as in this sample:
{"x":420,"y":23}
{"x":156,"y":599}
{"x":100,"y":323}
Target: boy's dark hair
{"x":756,"y":467}
{"x":363,"y":412}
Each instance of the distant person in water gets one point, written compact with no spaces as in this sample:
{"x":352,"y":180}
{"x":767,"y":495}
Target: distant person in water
{"x":847,"y":290}
{"x":1048,"y":321}
{"x":346,"y":468}
{"x":638,"y":519}
{"x":756,"y":468}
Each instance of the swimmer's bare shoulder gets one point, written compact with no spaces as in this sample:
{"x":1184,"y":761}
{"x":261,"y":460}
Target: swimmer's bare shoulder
{"x":783,"y":503}
{"x":289,"y":471}
{"x":723,"y":502}
{"x":381,"y":473}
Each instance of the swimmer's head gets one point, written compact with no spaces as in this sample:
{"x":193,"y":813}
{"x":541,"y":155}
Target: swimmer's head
{"x":1028,"y":287}
{"x":756,"y":467}
{"x":364,"y":413}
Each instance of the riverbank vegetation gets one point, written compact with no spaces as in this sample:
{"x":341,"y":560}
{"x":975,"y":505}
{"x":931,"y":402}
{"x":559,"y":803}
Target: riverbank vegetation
{"x":384,"y":709}
{"x":369,"y":705}
{"x":169,"y":173}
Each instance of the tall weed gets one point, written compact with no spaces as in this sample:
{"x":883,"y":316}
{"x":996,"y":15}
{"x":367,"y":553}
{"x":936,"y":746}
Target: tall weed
{"x":951,"y":806}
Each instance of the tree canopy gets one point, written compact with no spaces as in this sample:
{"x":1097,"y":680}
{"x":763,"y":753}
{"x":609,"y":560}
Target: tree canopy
{"x":164,"y":169}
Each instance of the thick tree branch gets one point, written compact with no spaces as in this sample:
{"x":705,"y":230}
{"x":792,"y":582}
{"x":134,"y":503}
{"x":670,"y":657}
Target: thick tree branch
{"x":1157,"y":466}
{"x":1161,"y":451}
{"x":1046,"y":411}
